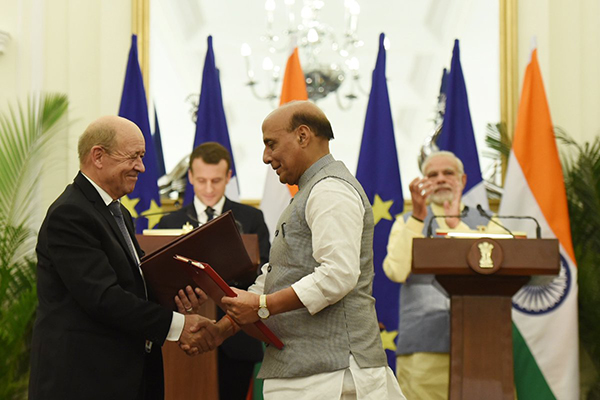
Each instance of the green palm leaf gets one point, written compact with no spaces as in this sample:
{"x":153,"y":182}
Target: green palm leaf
{"x":582,"y":180}
{"x":25,"y":135}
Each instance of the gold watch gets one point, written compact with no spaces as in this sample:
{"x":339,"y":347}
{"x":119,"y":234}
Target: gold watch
{"x":263,"y":311}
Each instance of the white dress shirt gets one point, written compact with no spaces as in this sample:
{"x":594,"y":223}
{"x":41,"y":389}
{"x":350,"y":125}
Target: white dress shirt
{"x":201,"y":207}
{"x":334,"y":214}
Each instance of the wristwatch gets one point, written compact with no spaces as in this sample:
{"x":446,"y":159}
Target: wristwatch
{"x":263,"y":311}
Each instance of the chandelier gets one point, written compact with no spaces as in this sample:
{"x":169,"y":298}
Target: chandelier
{"x":328,"y":62}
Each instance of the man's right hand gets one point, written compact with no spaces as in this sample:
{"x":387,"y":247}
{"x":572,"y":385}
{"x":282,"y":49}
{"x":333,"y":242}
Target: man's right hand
{"x":199,"y":335}
{"x":420,"y":189}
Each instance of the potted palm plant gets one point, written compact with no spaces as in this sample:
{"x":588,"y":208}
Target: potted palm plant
{"x":582,"y":179}
{"x":25,"y":133}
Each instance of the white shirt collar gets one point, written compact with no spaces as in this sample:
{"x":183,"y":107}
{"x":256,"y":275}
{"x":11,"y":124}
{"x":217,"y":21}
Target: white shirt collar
{"x":105,"y":196}
{"x":200,"y":207}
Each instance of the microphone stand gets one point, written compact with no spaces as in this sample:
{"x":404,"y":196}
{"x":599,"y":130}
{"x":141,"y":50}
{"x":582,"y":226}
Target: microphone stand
{"x":430,"y":224}
{"x":538,"y":228}
{"x":489,"y":217}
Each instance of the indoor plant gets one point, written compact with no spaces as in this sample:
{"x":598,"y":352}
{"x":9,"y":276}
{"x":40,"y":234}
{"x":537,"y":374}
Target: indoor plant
{"x":25,"y":133}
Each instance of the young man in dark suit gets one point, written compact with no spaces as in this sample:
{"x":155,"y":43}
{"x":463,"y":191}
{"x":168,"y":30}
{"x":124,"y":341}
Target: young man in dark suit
{"x":209,"y":172}
{"x":96,"y":336}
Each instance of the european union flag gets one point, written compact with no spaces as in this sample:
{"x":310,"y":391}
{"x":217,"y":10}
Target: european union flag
{"x":379,"y":174}
{"x":160,"y":158}
{"x":211,"y":125}
{"x":145,"y":198}
{"x":457,"y":133}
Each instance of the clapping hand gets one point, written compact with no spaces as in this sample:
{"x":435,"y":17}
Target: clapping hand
{"x":420,"y":190}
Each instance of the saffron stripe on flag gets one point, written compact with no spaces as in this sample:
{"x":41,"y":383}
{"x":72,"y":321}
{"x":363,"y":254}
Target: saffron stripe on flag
{"x":277,"y":196}
{"x":544,"y":311}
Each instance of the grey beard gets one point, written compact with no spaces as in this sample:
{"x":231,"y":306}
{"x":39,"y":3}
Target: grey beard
{"x":440,"y":198}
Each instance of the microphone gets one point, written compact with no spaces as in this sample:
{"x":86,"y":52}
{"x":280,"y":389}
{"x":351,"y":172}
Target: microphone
{"x":430,"y":225}
{"x":538,"y":229}
{"x":489,"y":217}
{"x":152,"y":214}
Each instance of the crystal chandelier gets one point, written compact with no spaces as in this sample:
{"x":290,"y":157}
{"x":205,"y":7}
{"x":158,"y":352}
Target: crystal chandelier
{"x":328,"y":63}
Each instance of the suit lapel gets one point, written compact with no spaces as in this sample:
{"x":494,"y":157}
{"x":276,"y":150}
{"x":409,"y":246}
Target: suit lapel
{"x":93,"y":196}
{"x":191,"y":215}
{"x":226,"y":206}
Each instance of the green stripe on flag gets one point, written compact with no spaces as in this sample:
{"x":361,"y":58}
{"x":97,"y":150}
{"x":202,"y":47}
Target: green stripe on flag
{"x":257,"y":387}
{"x":529,"y":381}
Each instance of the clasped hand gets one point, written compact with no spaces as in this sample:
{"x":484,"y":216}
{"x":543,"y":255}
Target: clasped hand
{"x":200,"y":334}
{"x":243,"y":308}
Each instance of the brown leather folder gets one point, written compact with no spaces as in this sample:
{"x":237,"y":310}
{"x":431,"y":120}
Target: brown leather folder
{"x":156,"y":240}
{"x":217,"y":243}
{"x":215,"y":287}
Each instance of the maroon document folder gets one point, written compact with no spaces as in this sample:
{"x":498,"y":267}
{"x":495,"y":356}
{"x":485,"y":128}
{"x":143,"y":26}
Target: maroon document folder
{"x":217,"y":243}
{"x":215,"y":287}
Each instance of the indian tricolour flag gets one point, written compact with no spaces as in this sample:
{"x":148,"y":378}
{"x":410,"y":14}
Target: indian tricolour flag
{"x":545,"y":330}
{"x":276,"y":197}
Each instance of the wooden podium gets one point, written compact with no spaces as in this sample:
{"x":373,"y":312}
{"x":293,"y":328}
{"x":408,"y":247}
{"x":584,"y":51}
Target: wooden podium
{"x":193,"y":377}
{"x":481,"y":276}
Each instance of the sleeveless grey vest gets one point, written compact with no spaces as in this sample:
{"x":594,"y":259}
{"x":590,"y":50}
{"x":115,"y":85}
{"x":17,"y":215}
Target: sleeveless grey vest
{"x":322,"y":342}
{"x":424,"y":325}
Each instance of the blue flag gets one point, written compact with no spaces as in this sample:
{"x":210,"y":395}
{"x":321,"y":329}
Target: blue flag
{"x":439,"y":118}
{"x":379,"y":174}
{"x":160,"y":159}
{"x":145,"y":198}
{"x":211,"y":125}
{"x":457,"y":133}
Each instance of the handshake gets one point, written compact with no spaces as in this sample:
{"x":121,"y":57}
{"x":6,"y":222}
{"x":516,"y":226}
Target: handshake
{"x":200,"y":334}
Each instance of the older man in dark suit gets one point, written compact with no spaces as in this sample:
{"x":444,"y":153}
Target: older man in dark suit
{"x":209,"y":173}
{"x":96,"y":335}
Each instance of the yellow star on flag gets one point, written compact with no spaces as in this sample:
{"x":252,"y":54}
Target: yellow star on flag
{"x":153,"y":214}
{"x":381,"y":209}
{"x":130,"y":205}
{"x":387,"y":338}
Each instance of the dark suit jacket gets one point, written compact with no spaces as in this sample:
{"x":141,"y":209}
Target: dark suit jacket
{"x":92,"y":320}
{"x":240,"y":346}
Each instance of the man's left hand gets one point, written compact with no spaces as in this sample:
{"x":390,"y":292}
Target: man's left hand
{"x":243,"y":308}
{"x":190,"y":300}
{"x":453,"y":207}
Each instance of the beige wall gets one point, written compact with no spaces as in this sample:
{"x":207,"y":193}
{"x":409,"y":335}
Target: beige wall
{"x":568,"y":42}
{"x":76,"y":47}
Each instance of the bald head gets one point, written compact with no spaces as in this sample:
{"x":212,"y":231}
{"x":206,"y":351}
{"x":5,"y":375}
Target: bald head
{"x":297,"y":113}
{"x":104,"y":132}
{"x":296,"y":135}
{"x":111,"y":150}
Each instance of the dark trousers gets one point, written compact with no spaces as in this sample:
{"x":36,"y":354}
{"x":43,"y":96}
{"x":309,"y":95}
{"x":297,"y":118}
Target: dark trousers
{"x":234,"y":377}
{"x":152,"y":386}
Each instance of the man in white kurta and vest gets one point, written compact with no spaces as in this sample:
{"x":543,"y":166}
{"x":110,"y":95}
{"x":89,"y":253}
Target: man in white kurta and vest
{"x":315,"y":292}
{"x":423,"y":347}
